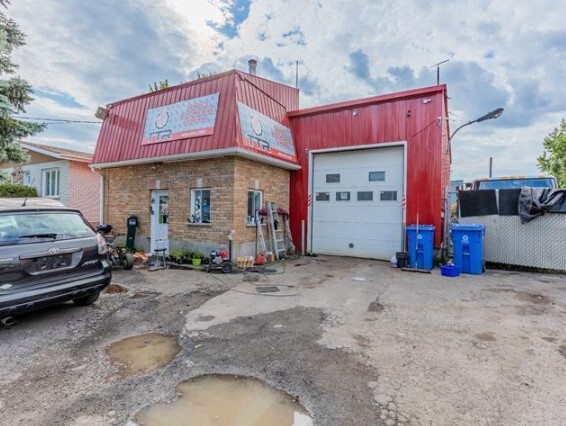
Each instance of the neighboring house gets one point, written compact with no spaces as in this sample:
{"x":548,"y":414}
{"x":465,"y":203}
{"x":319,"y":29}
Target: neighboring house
{"x":195,"y":161}
{"x":59,"y":173}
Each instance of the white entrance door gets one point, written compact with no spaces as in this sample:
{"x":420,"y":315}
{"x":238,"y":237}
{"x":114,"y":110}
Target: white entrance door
{"x":159,"y":220}
{"x":357,"y":202}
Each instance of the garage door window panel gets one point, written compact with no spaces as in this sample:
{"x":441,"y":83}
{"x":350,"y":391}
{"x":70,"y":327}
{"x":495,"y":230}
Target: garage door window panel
{"x":323,"y":196}
{"x":388,"y":196}
{"x":343,"y":196}
{"x":365,"y":195}
{"x":377,"y":176}
{"x":333,"y":178}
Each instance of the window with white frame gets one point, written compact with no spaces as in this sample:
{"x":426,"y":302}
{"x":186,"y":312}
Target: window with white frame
{"x":50,"y":187}
{"x":255,"y":202}
{"x":200,"y":206}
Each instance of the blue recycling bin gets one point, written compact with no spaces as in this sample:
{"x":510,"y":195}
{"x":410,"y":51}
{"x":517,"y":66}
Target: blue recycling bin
{"x":420,"y":246}
{"x":468,"y":247}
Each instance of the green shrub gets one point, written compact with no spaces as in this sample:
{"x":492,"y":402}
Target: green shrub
{"x":9,"y":190}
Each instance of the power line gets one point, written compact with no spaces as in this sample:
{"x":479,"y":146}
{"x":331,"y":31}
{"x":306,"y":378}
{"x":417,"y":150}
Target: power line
{"x":59,"y":120}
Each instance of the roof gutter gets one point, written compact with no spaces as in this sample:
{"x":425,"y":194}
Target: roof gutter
{"x":202,"y":155}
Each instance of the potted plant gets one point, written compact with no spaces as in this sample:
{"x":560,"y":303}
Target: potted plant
{"x":197,"y":258}
{"x":186,"y":256}
{"x":176,"y":255}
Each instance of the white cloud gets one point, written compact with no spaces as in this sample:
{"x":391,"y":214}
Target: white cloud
{"x":500,"y":52}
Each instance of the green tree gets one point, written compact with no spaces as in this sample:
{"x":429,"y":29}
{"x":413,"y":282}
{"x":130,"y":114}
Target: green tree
{"x":553,"y":159}
{"x":15,"y":94}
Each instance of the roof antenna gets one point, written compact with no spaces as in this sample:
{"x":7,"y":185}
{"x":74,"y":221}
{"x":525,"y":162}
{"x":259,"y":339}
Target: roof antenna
{"x":297,"y":75}
{"x":437,"y":66}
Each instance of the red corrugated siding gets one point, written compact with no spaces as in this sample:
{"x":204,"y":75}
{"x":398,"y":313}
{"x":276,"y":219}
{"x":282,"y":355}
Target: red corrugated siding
{"x":286,"y":95}
{"x":378,"y":122}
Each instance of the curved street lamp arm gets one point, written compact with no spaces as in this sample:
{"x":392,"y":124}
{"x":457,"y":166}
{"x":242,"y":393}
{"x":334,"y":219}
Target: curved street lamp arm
{"x":496,"y":113}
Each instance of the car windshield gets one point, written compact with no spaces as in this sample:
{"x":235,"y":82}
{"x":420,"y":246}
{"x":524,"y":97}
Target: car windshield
{"x":29,"y":227}
{"x":516,"y":183}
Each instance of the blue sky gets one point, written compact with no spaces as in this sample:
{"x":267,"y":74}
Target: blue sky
{"x":502,"y":54}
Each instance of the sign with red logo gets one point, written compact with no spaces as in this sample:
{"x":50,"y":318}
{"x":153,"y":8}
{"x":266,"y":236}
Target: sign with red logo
{"x":262,"y":134}
{"x":187,"y":119}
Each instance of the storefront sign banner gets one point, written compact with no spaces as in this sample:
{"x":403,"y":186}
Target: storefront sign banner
{"x":186,"y":119}
{"x":265,"y":135}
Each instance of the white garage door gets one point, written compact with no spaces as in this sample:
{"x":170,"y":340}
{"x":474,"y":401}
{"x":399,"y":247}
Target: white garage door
{"x":357,"y":202}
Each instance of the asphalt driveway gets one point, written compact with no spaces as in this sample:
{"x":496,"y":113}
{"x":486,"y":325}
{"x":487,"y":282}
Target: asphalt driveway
{"x":355,"y":342}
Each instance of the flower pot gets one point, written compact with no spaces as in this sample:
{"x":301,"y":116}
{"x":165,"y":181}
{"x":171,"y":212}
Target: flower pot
{"x":196,"y":262}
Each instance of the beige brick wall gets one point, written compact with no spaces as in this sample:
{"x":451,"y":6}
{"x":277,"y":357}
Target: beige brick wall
{"x":272,"y":181}
{"x":127,"y":191}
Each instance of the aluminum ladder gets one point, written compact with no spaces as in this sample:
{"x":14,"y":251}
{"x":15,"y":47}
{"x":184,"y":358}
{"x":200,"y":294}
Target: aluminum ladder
{"x":276,"y":231}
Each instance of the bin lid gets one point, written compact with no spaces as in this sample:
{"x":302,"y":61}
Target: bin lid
{"x":468,"y":227}
{"x":420,"y":228}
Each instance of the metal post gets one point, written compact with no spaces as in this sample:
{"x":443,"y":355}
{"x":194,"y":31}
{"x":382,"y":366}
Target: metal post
{"x":490,"y":166}
{"x":302,"y":237}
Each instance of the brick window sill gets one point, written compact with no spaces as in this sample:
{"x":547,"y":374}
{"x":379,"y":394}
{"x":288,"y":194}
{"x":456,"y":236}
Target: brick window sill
{"x":200,"y":224}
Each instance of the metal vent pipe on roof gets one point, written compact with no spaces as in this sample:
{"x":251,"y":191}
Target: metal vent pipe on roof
{"x":252,"y":64}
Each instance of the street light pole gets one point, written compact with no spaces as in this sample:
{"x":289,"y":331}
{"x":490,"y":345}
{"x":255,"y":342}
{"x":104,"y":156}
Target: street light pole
{"x":496,"y":113}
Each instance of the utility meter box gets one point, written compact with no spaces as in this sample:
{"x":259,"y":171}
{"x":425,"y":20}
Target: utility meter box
{"x":132,"y":224}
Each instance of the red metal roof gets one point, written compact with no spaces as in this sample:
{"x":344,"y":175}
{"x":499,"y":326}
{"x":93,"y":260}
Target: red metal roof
{"x":120,"y":138}
{"x":368,"y":101}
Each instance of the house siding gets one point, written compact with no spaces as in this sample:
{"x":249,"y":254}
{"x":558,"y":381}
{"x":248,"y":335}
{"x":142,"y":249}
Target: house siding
{"x":36,"y":177}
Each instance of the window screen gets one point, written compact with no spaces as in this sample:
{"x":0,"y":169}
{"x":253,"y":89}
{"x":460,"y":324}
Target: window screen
{"x":323,"y":196}
{"x":333,"y":178}
{"x":376,"y":176}
{"x":343,"y":196}
{"x":388,"y":196}
{"x":365,"y":195}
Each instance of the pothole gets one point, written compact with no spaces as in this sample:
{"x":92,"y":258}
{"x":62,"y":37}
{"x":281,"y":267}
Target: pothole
{"x":115,"y":288}
{"x":140,"y":354}
{"x":223,"y":400}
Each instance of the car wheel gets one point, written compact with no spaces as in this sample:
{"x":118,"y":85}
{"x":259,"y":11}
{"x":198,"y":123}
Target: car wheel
{"x":86,"y":300}
{"x":128,"y":261}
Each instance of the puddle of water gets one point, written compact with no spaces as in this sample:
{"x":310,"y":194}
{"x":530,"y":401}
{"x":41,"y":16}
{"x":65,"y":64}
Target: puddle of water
{"x":115,"y":288}
{"x":226,"y":401}
{"x":140,"y":354}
